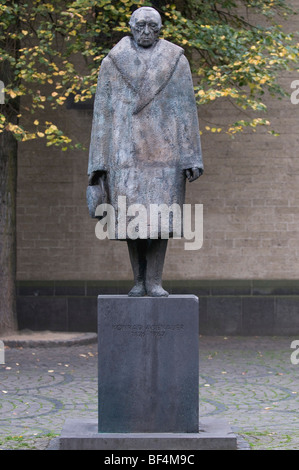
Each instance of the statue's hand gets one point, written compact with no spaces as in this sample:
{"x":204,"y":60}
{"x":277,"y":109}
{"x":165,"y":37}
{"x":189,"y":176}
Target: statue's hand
{"x":94,"y":177}
{"x":193,"y":174}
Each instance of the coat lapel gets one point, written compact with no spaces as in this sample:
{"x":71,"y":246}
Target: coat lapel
{"x":147,"y":79}
{"x":127,"y":62}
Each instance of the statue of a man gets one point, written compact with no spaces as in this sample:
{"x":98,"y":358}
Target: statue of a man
{"x":145,"y":137}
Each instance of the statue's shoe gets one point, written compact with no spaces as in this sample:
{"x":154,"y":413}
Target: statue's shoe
{"x":157,"y":291}
{"x":137,"y":291}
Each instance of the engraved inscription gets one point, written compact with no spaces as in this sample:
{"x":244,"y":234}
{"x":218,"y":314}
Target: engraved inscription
{"x":159,"y":330}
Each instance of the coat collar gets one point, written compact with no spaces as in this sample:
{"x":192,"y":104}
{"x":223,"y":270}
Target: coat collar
{"x":147,"y":79}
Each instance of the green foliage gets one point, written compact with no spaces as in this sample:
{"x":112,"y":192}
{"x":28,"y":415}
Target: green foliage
{"x":54,"y":48}
{"x":232,"y":57}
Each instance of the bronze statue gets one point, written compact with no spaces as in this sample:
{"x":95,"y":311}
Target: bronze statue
{"x":145,"y":137}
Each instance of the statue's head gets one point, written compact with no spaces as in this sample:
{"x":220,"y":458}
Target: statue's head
{"x":145,"y":25}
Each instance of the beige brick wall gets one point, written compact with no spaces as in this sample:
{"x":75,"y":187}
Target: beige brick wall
{"x":250,"y":193}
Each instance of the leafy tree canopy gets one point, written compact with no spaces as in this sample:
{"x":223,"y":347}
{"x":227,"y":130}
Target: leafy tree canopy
{"x":231,"y":55}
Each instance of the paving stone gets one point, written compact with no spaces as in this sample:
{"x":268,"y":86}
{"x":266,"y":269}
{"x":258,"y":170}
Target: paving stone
{"x":248,"y":381}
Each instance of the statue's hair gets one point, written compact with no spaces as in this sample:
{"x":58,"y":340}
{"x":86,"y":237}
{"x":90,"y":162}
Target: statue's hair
{"x":132,"y":19}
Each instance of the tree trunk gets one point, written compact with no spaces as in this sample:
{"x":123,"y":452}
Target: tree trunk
{"x":8,"y":183}
{"x":8,"y":191}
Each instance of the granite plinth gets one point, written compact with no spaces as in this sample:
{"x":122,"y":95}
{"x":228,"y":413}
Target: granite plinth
{"x":213,"y":434}
{"x":148,"y":364}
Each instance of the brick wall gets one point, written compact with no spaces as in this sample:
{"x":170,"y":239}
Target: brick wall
{"x":250,"y":193}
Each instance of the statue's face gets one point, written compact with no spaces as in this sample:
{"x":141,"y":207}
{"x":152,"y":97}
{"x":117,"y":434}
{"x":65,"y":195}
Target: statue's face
{"x":146,"y":27}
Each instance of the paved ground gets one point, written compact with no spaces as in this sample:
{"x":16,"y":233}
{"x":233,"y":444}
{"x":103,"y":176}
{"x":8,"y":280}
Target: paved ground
{"x":250,"y":382}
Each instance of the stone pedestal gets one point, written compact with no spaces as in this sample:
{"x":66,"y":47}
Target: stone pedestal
{"x":148,"y":374}
{"x":148,"y":364}
{"x":82,"y":434}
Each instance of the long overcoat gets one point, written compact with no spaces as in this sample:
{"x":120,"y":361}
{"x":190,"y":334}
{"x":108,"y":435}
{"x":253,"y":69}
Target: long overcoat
{"x":145,"y":131}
